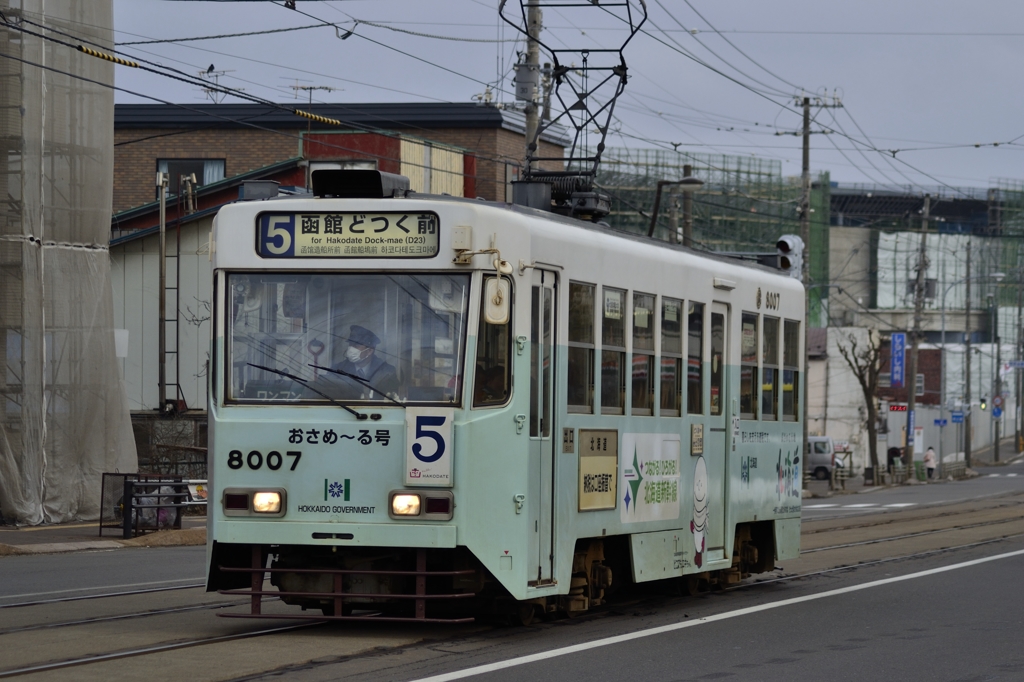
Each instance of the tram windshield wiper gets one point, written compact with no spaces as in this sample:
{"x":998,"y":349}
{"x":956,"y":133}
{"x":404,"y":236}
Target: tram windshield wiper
{"x":361,"y":380}
{"x":300,"y":380}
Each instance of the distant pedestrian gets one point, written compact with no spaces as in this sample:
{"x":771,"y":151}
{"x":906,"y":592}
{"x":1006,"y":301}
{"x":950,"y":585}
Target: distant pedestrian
{"x":929,"y":462}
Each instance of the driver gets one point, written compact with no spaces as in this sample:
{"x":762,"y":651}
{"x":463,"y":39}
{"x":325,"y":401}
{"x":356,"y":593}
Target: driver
{"x":361,"y":361}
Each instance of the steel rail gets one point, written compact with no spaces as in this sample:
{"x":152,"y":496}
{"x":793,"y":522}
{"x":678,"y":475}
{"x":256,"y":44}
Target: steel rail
{"x":850,"y":567}
{"x":125,"y":593}
{"x":913,"y":535}
{"x":123,"y":616}
{"x":99,"y":658}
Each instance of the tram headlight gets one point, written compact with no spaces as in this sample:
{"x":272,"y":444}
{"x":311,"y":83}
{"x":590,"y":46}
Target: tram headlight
{"x":266,"y":502}
{"x":405,"y":504}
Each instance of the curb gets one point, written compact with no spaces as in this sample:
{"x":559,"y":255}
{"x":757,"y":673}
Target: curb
{"x":194,"y":537}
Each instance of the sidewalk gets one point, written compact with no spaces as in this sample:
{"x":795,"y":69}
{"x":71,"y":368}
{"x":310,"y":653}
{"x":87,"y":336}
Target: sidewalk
{"x":72,"y":537}
{"x":985,"y":456}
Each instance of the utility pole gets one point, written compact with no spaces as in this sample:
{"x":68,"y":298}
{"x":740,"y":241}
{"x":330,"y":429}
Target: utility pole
{"x":1017,"y":374}
{"x":998,"y":381}
{"x":967,"y":369}
{"x":534,"y":21}
{"x":911,"y":383}
{"x":688,"y":210}
{"x":805,"y":235}
{"x":161,"y":183}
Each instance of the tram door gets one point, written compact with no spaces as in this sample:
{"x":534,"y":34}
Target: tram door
{"x":543,"y":297}
{"x":718,"y":440}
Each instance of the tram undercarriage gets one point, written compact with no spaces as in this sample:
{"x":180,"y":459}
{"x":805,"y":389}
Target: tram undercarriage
{"x":445,"y":585}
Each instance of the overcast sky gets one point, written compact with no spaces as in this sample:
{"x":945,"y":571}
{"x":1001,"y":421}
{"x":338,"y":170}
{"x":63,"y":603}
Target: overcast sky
{"x":914,"y":75}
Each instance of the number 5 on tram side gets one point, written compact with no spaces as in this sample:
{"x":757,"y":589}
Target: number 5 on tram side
{"x":432,"y":408}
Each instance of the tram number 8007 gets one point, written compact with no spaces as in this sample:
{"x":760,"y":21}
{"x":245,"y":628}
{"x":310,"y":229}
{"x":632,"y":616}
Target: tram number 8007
{"x":255,"y":459}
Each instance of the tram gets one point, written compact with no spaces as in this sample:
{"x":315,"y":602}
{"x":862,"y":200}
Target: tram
{"x":427,"y":407}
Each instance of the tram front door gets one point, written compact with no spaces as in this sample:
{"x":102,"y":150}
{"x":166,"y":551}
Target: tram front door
{"x":543,"y":298}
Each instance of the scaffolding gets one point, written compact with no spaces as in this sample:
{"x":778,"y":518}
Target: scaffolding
{"x":65,"y":418}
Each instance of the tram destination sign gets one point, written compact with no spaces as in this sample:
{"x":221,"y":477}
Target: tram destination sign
{"x":347,"y":235}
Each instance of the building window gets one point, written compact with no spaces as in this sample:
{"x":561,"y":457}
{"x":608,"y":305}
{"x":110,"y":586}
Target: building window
{"x":207,"y":171}
{"x":671,"y":357}
{"x":748,"y":366}
{"x":790,"y":370}
{"x":770,"y":369}
{"x":613,"y":352}
{"x":695,"y":359}
{"x":581,"y":348}
{"x":642,"y":367}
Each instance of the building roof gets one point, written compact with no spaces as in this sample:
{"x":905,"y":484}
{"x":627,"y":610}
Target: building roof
{"x":373,"y":117}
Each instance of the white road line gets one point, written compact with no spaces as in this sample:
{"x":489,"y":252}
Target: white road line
{"x":993,"y":476}
{"x":1010,"y":475}
{"x":901,"y":504}
{"x":104,"y":587}
{"x":618,"y":639}
{"x":860,"y":506}
{"x":819,"y":506}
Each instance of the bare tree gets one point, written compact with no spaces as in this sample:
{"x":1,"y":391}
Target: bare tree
{"x":863,"y":361}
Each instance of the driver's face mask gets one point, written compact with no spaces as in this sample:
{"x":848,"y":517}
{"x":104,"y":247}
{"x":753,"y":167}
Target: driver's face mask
{"x":355,"y":355}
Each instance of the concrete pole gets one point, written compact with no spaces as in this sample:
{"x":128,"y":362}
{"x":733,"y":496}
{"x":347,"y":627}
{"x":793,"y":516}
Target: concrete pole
{"x":805,"y":235}
{"x":997,"y":381}
{"x":687,"y":210}
{"x":910,"y":383}
{"x":1017,"y":374}
{"x":161,"y":183}
{"x":534,"y":19}
{"x":967,"y":367}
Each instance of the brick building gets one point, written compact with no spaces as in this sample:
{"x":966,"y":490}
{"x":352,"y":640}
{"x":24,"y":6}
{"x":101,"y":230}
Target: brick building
{"x":218,"y":141}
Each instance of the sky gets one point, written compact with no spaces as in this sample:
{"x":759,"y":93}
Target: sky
{"x":919,"y":83}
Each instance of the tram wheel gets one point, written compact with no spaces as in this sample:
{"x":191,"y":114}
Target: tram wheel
{"x":524,"y":614}
{"x":690,"y":585}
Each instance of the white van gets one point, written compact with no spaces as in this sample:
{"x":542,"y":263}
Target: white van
{"x":821,"y":456}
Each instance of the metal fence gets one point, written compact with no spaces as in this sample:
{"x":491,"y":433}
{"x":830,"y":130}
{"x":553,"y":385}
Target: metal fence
{"x":139,"y":503}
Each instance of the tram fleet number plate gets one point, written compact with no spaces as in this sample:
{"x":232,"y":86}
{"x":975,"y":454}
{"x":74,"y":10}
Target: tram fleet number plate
{"x":347,"y":235}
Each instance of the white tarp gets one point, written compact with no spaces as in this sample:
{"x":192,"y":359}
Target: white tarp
{"x":65,"y":419}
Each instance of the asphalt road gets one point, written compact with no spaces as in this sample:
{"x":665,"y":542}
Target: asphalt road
{"x":49,"y":576}
{"x":992,"y":482}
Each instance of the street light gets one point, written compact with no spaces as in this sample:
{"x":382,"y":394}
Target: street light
{"x":998,"y":277}
{"x":687,"y":184}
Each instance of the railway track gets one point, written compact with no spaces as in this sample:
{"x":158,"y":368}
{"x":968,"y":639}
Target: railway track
{"x":839,"y":545}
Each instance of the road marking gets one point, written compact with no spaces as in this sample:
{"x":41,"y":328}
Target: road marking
{"x":860,"y":506}
{"x":618,"y":639}
{"x":103,"y":587}
{"x":819,"y":506}
{"x":1010,"y":475}
{"x":901,"y":504}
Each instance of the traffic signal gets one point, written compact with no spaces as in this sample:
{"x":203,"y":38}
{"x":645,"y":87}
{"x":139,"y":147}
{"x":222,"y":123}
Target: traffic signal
{"x":984,"y":403}
{"x":790,"y":249}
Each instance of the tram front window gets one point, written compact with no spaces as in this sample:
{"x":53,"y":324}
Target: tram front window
{"x":386,"y":336}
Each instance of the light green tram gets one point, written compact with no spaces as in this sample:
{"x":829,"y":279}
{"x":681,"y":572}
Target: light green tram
{"x":432,"y":408}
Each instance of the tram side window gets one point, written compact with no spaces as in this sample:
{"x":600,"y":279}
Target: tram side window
{"x":581,"y":348}
{"x":790,"y":370}
{"x":695,"y":360}
{"x":770,"y":369}
{"x":671,"y":357}
{"x":717,"y":363}
{"x":748,"y":366}
{"x":492,"y":384}
{"x":613,"y":352}
{"x":643,"y":354}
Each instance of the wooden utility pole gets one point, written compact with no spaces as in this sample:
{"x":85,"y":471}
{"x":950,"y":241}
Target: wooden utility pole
{"x":911,"y":382}
{"x":967,"y":367}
